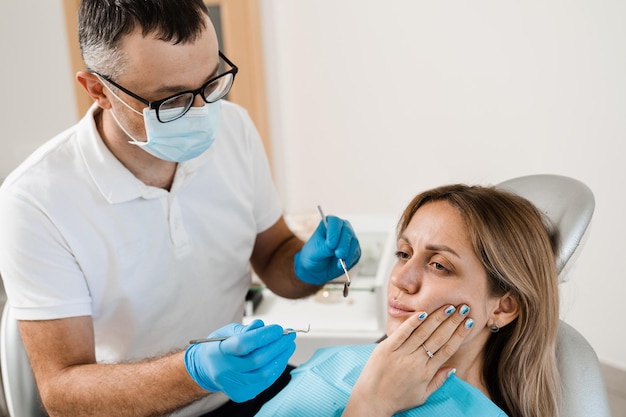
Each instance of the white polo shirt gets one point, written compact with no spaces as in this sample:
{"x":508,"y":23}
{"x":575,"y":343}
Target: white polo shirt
{"x":80,"y":235}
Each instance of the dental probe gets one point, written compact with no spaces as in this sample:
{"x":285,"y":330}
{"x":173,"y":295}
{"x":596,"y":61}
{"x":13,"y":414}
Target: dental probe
{"x":219,"y":339}
{"x":341,"y":261}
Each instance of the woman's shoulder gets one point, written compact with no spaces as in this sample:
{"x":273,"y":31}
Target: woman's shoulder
{"x":456,"y":398}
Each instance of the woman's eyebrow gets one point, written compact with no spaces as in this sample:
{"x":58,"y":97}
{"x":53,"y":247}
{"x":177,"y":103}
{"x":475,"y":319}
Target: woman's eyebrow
{"x":442,"y":248}
{"x":432,"y":247}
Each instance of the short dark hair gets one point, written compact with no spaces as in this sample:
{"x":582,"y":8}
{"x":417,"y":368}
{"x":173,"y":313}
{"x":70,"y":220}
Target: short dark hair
{"x":102,"y":24}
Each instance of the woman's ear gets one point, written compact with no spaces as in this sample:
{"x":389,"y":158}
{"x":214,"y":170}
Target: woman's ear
{"x":506,"y":310}
{"x":94,"y":87}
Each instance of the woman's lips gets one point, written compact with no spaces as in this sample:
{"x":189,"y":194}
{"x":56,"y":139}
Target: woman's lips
{"x":398,"y":310}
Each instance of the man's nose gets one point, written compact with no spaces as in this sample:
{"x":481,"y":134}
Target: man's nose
{"x":198,"y":101}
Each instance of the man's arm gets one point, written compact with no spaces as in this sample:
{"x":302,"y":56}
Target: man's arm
{"x":71,"y":383}
{"x":272,"y":260}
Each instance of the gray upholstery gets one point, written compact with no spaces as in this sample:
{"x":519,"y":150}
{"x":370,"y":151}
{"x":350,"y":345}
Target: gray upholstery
{"x":20,"y":391}
{"x":584,"y":391}
{"x":3,"y":300}
{"x":568,"y":202}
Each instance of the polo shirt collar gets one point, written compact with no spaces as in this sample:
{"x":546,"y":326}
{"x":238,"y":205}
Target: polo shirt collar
{"x":114,"y":181}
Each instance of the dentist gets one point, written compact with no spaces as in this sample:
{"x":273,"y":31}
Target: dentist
{"x":138,"y":229}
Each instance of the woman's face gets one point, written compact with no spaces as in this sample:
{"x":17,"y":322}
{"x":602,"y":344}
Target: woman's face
{"x":437,"y":267}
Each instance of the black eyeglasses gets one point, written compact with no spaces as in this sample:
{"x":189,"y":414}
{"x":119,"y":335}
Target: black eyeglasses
{"x":174,"y":107}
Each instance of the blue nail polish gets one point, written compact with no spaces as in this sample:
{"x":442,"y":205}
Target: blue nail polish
{"x":469,"y":323}
{"x":422,"y":315}
{"x":450,"y":310}
{"x":464,"y":309}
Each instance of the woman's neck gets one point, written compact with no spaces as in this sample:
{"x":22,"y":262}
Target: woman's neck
{"x":469,"y":364}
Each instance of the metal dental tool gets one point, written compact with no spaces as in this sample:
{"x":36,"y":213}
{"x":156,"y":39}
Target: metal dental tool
{"x":219,"y":339}
{"x":341,"y":261}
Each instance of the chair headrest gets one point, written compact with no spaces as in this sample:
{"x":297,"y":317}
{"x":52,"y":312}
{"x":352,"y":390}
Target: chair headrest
{"x":567,"y":202}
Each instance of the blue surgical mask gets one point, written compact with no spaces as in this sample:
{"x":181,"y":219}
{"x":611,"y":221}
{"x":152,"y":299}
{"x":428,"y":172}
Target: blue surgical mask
{"x":184,"y":138}
{"x":181,"y":139}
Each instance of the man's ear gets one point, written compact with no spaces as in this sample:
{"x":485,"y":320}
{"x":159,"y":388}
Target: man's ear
{"x":505,"y":312}
{"x":94,"y":87}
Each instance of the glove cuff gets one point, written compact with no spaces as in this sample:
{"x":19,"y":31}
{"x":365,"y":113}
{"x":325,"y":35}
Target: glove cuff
{"x":196,"y":372}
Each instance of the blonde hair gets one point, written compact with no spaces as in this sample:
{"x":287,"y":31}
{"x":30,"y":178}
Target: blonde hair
{"x":517,"y":245}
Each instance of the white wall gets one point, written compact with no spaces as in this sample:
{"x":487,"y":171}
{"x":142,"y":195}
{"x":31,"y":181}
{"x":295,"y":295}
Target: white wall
{"x":35,"y":78}
{"x":374,"y":101}
{"x":371,"y":102}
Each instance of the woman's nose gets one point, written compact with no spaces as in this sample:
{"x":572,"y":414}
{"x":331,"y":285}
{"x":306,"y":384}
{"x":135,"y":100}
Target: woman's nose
{"x":406,"y":277}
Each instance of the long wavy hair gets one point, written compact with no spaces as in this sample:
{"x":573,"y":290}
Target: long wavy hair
{"x":516,"y":244}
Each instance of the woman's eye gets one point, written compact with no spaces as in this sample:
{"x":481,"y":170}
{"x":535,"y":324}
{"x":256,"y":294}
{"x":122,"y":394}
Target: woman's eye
{"x":438,"y":266}
{"x":402,"y":255}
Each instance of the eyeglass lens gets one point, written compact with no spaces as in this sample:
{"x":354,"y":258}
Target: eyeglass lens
{"x":177,"y":106}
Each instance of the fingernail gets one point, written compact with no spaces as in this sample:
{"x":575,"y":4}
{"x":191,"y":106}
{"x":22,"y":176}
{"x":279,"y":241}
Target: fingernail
{"x":469,"y":323}
{"x":450,"y":310}
{"x":422,"y":316}
{"x":452,"y":372}
{"x":464,"y":310}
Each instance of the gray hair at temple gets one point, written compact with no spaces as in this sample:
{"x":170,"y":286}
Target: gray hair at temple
{"x":103,"y":23}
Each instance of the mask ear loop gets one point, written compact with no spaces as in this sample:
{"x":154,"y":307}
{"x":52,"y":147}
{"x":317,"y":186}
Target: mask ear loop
{"x":106,"y":85}
{"x":134,"y":141}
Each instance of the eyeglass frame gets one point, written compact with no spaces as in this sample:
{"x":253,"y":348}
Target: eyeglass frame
{"x":154,"y":105}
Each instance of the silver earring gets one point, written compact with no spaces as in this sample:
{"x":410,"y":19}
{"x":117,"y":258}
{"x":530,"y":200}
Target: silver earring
{"x":494,"y":328}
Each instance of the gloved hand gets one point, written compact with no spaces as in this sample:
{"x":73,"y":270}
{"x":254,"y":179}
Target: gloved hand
{"x":318,"y":260}
{"x":243,"y":365}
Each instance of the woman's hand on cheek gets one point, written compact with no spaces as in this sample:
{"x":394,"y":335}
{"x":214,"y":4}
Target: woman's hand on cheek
{"x":406,"y":368}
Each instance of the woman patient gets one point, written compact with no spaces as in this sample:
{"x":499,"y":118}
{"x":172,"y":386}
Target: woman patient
{"x":472,"y":319}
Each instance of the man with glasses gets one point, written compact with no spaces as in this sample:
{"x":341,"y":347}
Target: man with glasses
{"x":137,"y":230}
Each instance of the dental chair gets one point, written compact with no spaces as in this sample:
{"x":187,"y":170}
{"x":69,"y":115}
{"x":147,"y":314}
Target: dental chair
{"x":568,"y":203}
{"x":20,"y":392}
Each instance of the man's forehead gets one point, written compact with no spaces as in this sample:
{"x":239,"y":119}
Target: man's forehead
{"x":161,"y":63}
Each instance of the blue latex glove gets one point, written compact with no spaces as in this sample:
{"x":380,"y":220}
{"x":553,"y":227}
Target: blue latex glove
{"x":245,"y":364}
{"x":318,"y":260}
